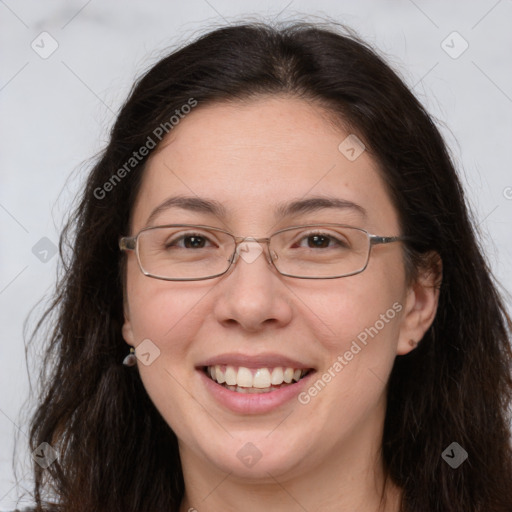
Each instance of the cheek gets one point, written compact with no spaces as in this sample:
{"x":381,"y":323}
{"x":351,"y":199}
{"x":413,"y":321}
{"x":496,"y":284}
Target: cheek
{"x":357,"y":325}
{"x":169,"y":315}
{"x":360,"y":307}
{"x":362,"y":325}
{"x":161,"y":310}
{"x":166,"y":316}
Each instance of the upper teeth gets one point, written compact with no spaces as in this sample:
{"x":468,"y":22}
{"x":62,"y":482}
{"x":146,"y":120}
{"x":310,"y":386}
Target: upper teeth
{"x":255,"y":378}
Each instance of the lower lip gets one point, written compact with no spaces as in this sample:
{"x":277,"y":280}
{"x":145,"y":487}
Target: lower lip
{"x":254,"y":403}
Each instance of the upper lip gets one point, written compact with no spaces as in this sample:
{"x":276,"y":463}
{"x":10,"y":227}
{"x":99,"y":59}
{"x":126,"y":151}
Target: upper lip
{"x":265,"y":360}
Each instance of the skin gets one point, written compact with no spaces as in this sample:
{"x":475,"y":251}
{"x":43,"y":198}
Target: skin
{"x":323,"y":455}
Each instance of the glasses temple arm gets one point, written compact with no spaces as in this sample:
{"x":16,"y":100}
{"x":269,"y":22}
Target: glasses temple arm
{"x":376,"y":239}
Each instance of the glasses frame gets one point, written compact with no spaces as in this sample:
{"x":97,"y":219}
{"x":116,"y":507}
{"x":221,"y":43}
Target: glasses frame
{"x":131,"y":243}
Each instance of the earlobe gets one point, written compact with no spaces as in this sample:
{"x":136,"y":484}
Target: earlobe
{"x":421,"y":304}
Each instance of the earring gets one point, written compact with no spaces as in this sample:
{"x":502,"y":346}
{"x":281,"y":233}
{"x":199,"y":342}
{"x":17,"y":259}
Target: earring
{"x":413,"y":343}
{"x":131,"y":358}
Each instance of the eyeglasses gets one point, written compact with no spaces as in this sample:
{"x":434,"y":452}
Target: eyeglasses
{"x":185,"y":252}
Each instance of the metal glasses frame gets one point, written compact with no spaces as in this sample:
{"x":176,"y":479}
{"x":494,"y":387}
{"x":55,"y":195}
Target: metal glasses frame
{"x":130,"y":243}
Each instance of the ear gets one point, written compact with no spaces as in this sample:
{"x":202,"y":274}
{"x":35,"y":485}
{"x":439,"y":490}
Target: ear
{"x":421,"y":303}
{"x":127,"y":327}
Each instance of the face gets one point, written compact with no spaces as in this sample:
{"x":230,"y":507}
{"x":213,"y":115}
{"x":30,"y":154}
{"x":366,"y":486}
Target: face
{"x":250,"y":158}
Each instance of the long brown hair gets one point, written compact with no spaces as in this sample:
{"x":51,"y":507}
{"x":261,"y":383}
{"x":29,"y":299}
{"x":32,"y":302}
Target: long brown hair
{"x":116,"y":453}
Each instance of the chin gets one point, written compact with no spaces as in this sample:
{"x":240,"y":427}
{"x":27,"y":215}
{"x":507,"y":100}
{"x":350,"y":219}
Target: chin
{"x":260,"y":459}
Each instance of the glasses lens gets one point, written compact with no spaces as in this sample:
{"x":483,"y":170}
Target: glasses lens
{"x":184,"y":252}
{"x":321,"y":251}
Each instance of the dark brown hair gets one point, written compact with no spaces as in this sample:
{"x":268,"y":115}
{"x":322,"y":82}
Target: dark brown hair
{"x":116,"y":453}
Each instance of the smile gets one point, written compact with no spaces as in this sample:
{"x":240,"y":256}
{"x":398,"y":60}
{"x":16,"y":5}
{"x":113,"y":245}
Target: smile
{"x":254,"y":380}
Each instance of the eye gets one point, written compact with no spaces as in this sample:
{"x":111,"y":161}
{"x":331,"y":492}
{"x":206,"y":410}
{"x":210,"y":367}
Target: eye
{"x":322,"y":241}
{"x":318,"y":241}
{"x":188,"y":241}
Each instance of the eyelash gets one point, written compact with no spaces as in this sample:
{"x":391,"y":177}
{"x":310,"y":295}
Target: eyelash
{"x":303,"y":237}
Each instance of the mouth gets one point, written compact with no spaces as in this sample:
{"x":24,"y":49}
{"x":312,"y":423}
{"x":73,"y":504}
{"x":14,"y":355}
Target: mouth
{"x":241,"y":379}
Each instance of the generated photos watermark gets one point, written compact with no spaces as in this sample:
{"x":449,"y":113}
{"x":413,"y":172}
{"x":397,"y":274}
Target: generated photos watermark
{"x":352,"y":147}
{"x":454,"y":455}
{"x":151,"y":142}
{"x":343,"y":360}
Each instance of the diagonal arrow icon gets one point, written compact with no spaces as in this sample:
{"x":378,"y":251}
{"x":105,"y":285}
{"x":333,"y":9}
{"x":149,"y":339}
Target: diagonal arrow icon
{"x":454,"y":455}
{"x":44,"y":455}
{"x":351,"y":147}
{"x":251,"y":250}
{"x":454,"y":45}
{"x":147,"y":352}
{"x":44,"y":45}
{"x":44,"y":250}
{"x":249,"y":454}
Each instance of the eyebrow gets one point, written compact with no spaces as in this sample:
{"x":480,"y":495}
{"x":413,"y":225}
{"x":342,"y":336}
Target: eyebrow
{"x":282,"y":210}
{"x":313,"y":204}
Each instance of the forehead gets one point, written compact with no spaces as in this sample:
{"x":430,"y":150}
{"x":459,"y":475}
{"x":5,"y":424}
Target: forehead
{"x":253,"y":156}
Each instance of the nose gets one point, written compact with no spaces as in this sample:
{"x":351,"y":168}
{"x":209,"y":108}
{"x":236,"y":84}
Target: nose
{"x":252,"y":295}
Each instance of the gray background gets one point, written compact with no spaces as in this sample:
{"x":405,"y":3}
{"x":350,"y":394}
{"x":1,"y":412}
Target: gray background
{"x":56,"y":112}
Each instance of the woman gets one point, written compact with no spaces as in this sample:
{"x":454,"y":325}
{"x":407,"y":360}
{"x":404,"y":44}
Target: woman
{"x":277,"y":231}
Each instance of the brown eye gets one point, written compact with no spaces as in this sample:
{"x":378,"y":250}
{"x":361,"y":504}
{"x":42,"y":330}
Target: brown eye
{"x":194,"y":241}
{"x":316,"y":241}
{"x":188,"y":241}
{"x":321,"y":241}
